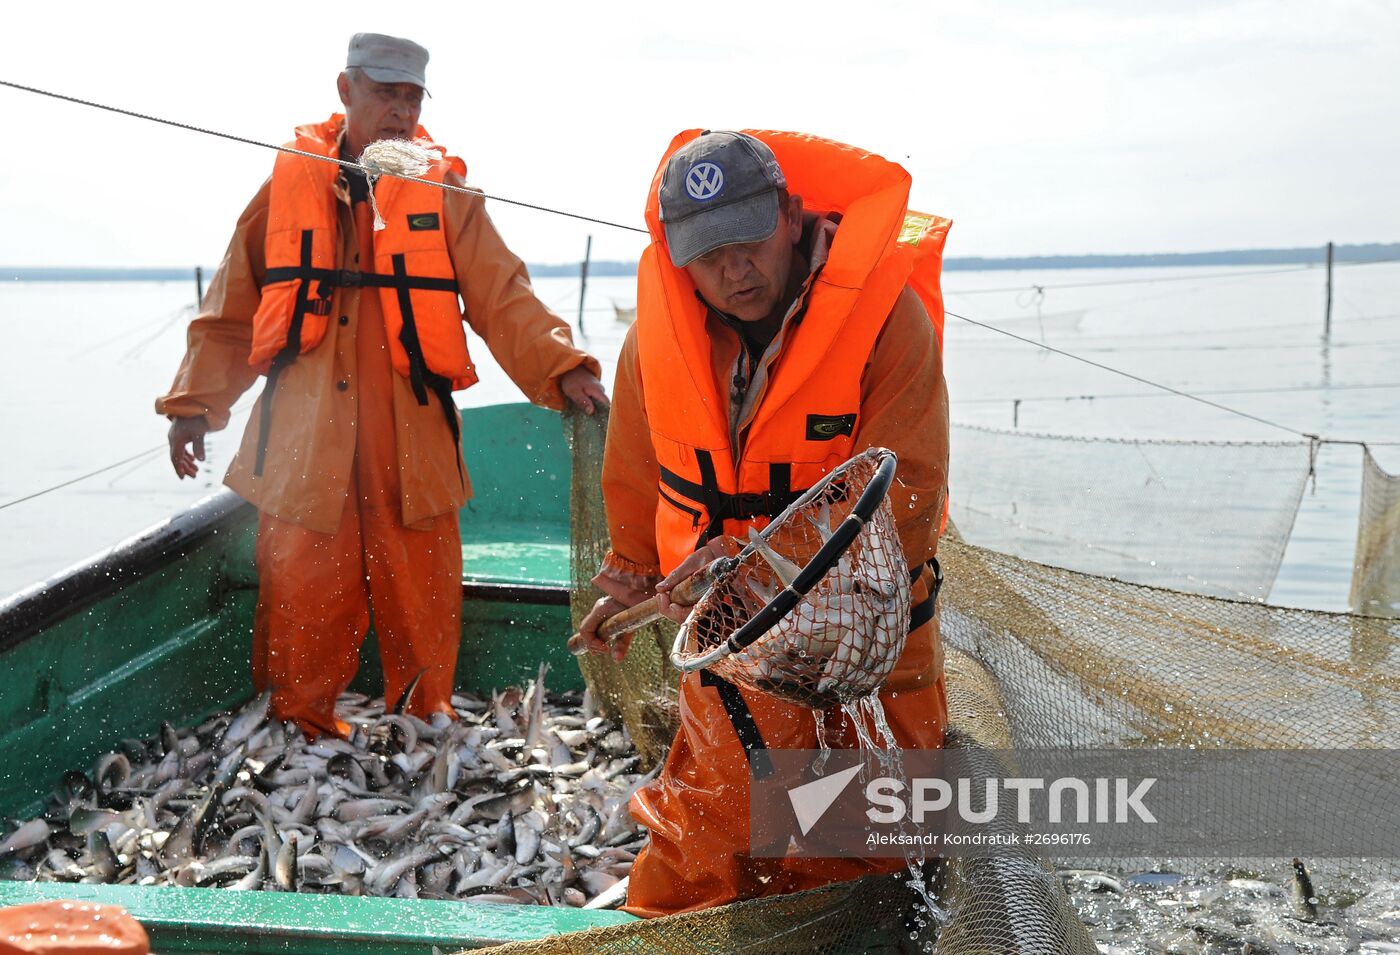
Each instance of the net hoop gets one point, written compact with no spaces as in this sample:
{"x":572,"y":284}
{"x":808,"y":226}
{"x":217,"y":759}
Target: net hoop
{"x":871,"y":496}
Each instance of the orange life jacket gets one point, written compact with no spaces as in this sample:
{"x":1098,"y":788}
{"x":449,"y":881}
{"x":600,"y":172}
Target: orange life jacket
{"x":809,"y":416}
{"x":412,"y":271}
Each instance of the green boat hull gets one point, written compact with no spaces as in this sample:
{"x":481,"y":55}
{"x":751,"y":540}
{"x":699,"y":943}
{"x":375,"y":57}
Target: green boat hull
{"x":157,"y":629}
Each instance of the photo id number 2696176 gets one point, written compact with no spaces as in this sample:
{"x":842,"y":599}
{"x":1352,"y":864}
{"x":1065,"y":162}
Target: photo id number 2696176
{"x":1059,"y":839}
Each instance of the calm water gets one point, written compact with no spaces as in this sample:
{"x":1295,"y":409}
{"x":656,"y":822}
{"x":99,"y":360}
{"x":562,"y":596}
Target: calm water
{"x":83,"y":363}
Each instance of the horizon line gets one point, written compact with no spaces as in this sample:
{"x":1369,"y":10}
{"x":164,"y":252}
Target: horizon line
{"x":1359,"y":252}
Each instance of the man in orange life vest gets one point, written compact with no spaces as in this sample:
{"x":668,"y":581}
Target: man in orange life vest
{"x":788,"y":317}
{"x":352,"y":453}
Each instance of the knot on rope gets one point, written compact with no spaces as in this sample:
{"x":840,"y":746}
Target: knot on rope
{"x":395,"y":157}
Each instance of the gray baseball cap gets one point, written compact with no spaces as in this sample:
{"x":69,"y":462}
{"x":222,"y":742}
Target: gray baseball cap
{"x":388,"y":59}
{"x":718,"y":189}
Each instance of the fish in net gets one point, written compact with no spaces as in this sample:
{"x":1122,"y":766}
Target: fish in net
{"x":815,"y":608}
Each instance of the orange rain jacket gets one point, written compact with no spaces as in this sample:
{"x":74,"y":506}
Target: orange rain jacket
{"x":311,"y":438}
{"x":685,"y":455}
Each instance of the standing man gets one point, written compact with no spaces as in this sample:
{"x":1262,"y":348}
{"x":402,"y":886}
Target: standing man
{"x":352,"y":453}
{"x":771,"y":344}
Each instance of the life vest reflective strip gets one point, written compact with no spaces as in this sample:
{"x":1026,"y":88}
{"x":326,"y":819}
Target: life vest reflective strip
{"x":413,"y":272}
{"x":879,"y":249}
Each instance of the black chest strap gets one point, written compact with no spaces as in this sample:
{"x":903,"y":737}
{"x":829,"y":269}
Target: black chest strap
{"x":720,"y":506}
{"x":421,"y":379}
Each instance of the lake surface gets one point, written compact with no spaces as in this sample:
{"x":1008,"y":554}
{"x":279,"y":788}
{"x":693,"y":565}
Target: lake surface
{"x":82,"y":364}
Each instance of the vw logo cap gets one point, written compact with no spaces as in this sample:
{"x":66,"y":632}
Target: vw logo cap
{"x":718,"y":189}
{"x":389,"y":59}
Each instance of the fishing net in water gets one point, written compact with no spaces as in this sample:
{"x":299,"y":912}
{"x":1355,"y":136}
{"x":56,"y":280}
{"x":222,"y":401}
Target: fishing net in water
{"x":1084,"y":661}
{"x":1205,"y":517}
{"x":1375,"y":577}
{"x":815,"y":609}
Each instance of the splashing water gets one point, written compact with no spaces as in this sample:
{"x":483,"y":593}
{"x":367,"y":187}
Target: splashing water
{"x":887,"y":761}
{"x":819,"y":717}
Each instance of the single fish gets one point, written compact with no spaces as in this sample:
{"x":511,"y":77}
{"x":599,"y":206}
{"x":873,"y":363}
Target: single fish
{"x":227,"y":868}
{"x":1304,"y":897}
{"x":112,"y":770}
{"x":103,"y":861}
{"x":406,"y":697}
{"x":27,"y":836}
{"x":382,"y":879}
{"x":255,"y":878}
{"x":284,"y":870}
{"x":83,"y":821}
{"x":246,"y":722}
{"x":169,"y":739}
{"x":610,"y":898}
{"x":786,"y":570}
{"x":188,"y":836}
{"x":527,"y":844}
{"x":353,"y":809}
{"x":590,"y":824}
{"x":347,"y":767}
{"x":534,"y":707}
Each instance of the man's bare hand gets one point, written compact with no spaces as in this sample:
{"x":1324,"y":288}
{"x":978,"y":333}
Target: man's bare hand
{"x":186,"y":436}
{"x":584,"y":389}
{"x":722,"y":546}
{"x":587,"y":639}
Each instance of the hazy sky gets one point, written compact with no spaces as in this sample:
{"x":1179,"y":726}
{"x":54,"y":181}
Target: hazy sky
{"x":1040,"y":128}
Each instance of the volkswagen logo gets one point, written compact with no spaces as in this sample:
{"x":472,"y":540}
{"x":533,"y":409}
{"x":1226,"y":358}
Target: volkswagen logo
{"x":704,"y":181}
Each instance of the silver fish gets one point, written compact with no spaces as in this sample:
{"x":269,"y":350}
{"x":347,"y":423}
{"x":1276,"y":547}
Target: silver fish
{"x":31,"y":834}
{"x":436,"y":808}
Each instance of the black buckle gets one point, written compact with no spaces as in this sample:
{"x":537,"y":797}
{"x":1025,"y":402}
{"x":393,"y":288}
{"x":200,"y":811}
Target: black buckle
{"x":747,"y":506}
{"x":348,"y":278}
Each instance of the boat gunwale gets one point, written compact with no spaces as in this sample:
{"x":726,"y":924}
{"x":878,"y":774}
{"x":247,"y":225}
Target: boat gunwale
{"x":29,"y":612}
{"x":68,"y":592}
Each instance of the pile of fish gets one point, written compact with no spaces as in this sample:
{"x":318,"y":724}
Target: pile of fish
{"x":1214,"y":910}
{"x":522,"y":799}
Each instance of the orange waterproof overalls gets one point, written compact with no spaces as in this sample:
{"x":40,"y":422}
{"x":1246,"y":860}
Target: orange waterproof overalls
{"x":316,"y":590}
{"x":697,"y":811}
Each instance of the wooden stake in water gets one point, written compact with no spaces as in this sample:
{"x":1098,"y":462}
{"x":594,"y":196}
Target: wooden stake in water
{"x":1327,"y":319}
{"x":583,"y":280}
{"x":198,"y":286}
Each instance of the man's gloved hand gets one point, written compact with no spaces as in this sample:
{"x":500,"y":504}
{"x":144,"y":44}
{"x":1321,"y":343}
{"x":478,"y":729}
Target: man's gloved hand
{"x":186,"y":434}
{"x":584,"y":389}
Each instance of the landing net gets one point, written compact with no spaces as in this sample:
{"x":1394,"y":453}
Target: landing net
{"x":809,"y":613}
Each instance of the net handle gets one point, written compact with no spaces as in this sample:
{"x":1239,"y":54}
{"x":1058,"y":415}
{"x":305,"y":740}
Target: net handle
{"x":817,"y":568}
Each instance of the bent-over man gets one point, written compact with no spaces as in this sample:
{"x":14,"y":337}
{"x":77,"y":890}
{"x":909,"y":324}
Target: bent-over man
{"x":788,"y":318}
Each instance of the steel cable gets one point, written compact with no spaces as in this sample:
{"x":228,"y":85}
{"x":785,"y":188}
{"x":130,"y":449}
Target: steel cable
{"x":345,"y":163}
